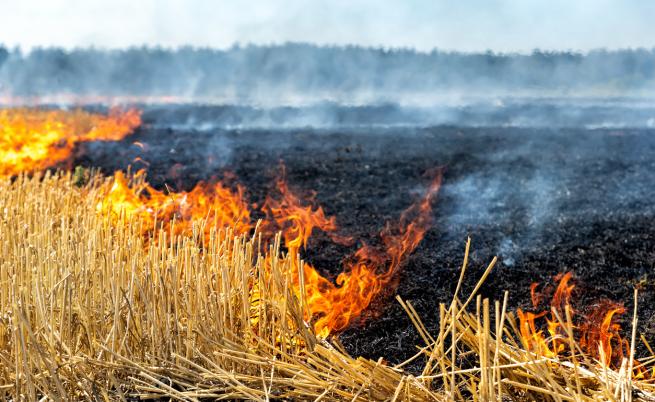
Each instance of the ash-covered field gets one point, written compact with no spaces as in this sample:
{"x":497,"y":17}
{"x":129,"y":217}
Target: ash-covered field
{"x":545,"y":200}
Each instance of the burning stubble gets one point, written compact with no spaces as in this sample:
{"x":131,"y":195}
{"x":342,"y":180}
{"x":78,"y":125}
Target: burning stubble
{"x":35,"y":139}
{"x":331,"y":306}
{"x":188,"y":230}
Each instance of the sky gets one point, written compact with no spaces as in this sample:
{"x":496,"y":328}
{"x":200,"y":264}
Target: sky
{"x":464,"y":25}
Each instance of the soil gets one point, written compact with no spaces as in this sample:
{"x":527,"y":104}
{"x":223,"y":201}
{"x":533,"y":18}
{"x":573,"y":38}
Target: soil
{"x":543,"y":200}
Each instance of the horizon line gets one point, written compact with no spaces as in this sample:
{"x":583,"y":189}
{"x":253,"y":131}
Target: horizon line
{"x":391,"y":49}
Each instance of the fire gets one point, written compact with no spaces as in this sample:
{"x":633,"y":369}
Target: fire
{"x":596,"y":331}
{"x":297,"y":221}
{"x":333,"y":306}
{"x":214,"y":203}
{"x":36,"y":139}
{"x":32,"y":139}
{"x":601,"y":331}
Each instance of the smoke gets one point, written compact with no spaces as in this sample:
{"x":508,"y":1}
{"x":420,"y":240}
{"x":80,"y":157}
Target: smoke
{"x":529,"y":188}
{"x":532,"y":113}
{"x":297,"y":74}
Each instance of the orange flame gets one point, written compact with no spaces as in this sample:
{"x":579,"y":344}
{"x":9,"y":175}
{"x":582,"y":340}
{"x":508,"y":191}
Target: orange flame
{"x":32,"y":139}
{"x":600,"y":331}
{"x":333,"y":306}
{"x":297,"y":221}
{"x":215,"y":204}
{"x":35,"y":139}
{"x":597,"y":332}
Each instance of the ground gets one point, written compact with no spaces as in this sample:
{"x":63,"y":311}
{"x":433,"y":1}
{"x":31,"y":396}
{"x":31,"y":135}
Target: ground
{"x":543,"y":200}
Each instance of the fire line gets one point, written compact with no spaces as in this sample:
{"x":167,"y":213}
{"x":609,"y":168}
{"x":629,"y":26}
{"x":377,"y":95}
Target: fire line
{"x":34,"y":139}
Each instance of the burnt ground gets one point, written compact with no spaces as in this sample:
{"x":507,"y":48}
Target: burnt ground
{"x":544,"y":200}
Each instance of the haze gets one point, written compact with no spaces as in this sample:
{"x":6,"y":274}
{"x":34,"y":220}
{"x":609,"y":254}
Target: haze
{"x":477,"y":25}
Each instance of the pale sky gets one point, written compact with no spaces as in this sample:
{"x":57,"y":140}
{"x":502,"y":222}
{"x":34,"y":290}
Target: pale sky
{"x":474,"y":25}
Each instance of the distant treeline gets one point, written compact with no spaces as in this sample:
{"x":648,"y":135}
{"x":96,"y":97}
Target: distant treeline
{"x":299,"y":70}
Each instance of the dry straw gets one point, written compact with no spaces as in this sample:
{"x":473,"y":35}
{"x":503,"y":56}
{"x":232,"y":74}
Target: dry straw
{"x":91,"y":311}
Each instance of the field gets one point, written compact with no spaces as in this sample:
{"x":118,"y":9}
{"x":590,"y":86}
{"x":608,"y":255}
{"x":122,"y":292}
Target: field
{"x":545,"y":201}
{"x":108,"y":298}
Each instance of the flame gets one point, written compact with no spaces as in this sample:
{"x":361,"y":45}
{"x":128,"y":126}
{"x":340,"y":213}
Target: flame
{"x":296,"y":220}
{"x":32,"y":139}
{"x":35,"y":139}
{"x":600,"y":331}
{"x":214,"y":203}
{"x":597,"y":331}
{"x":333,"y":306}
